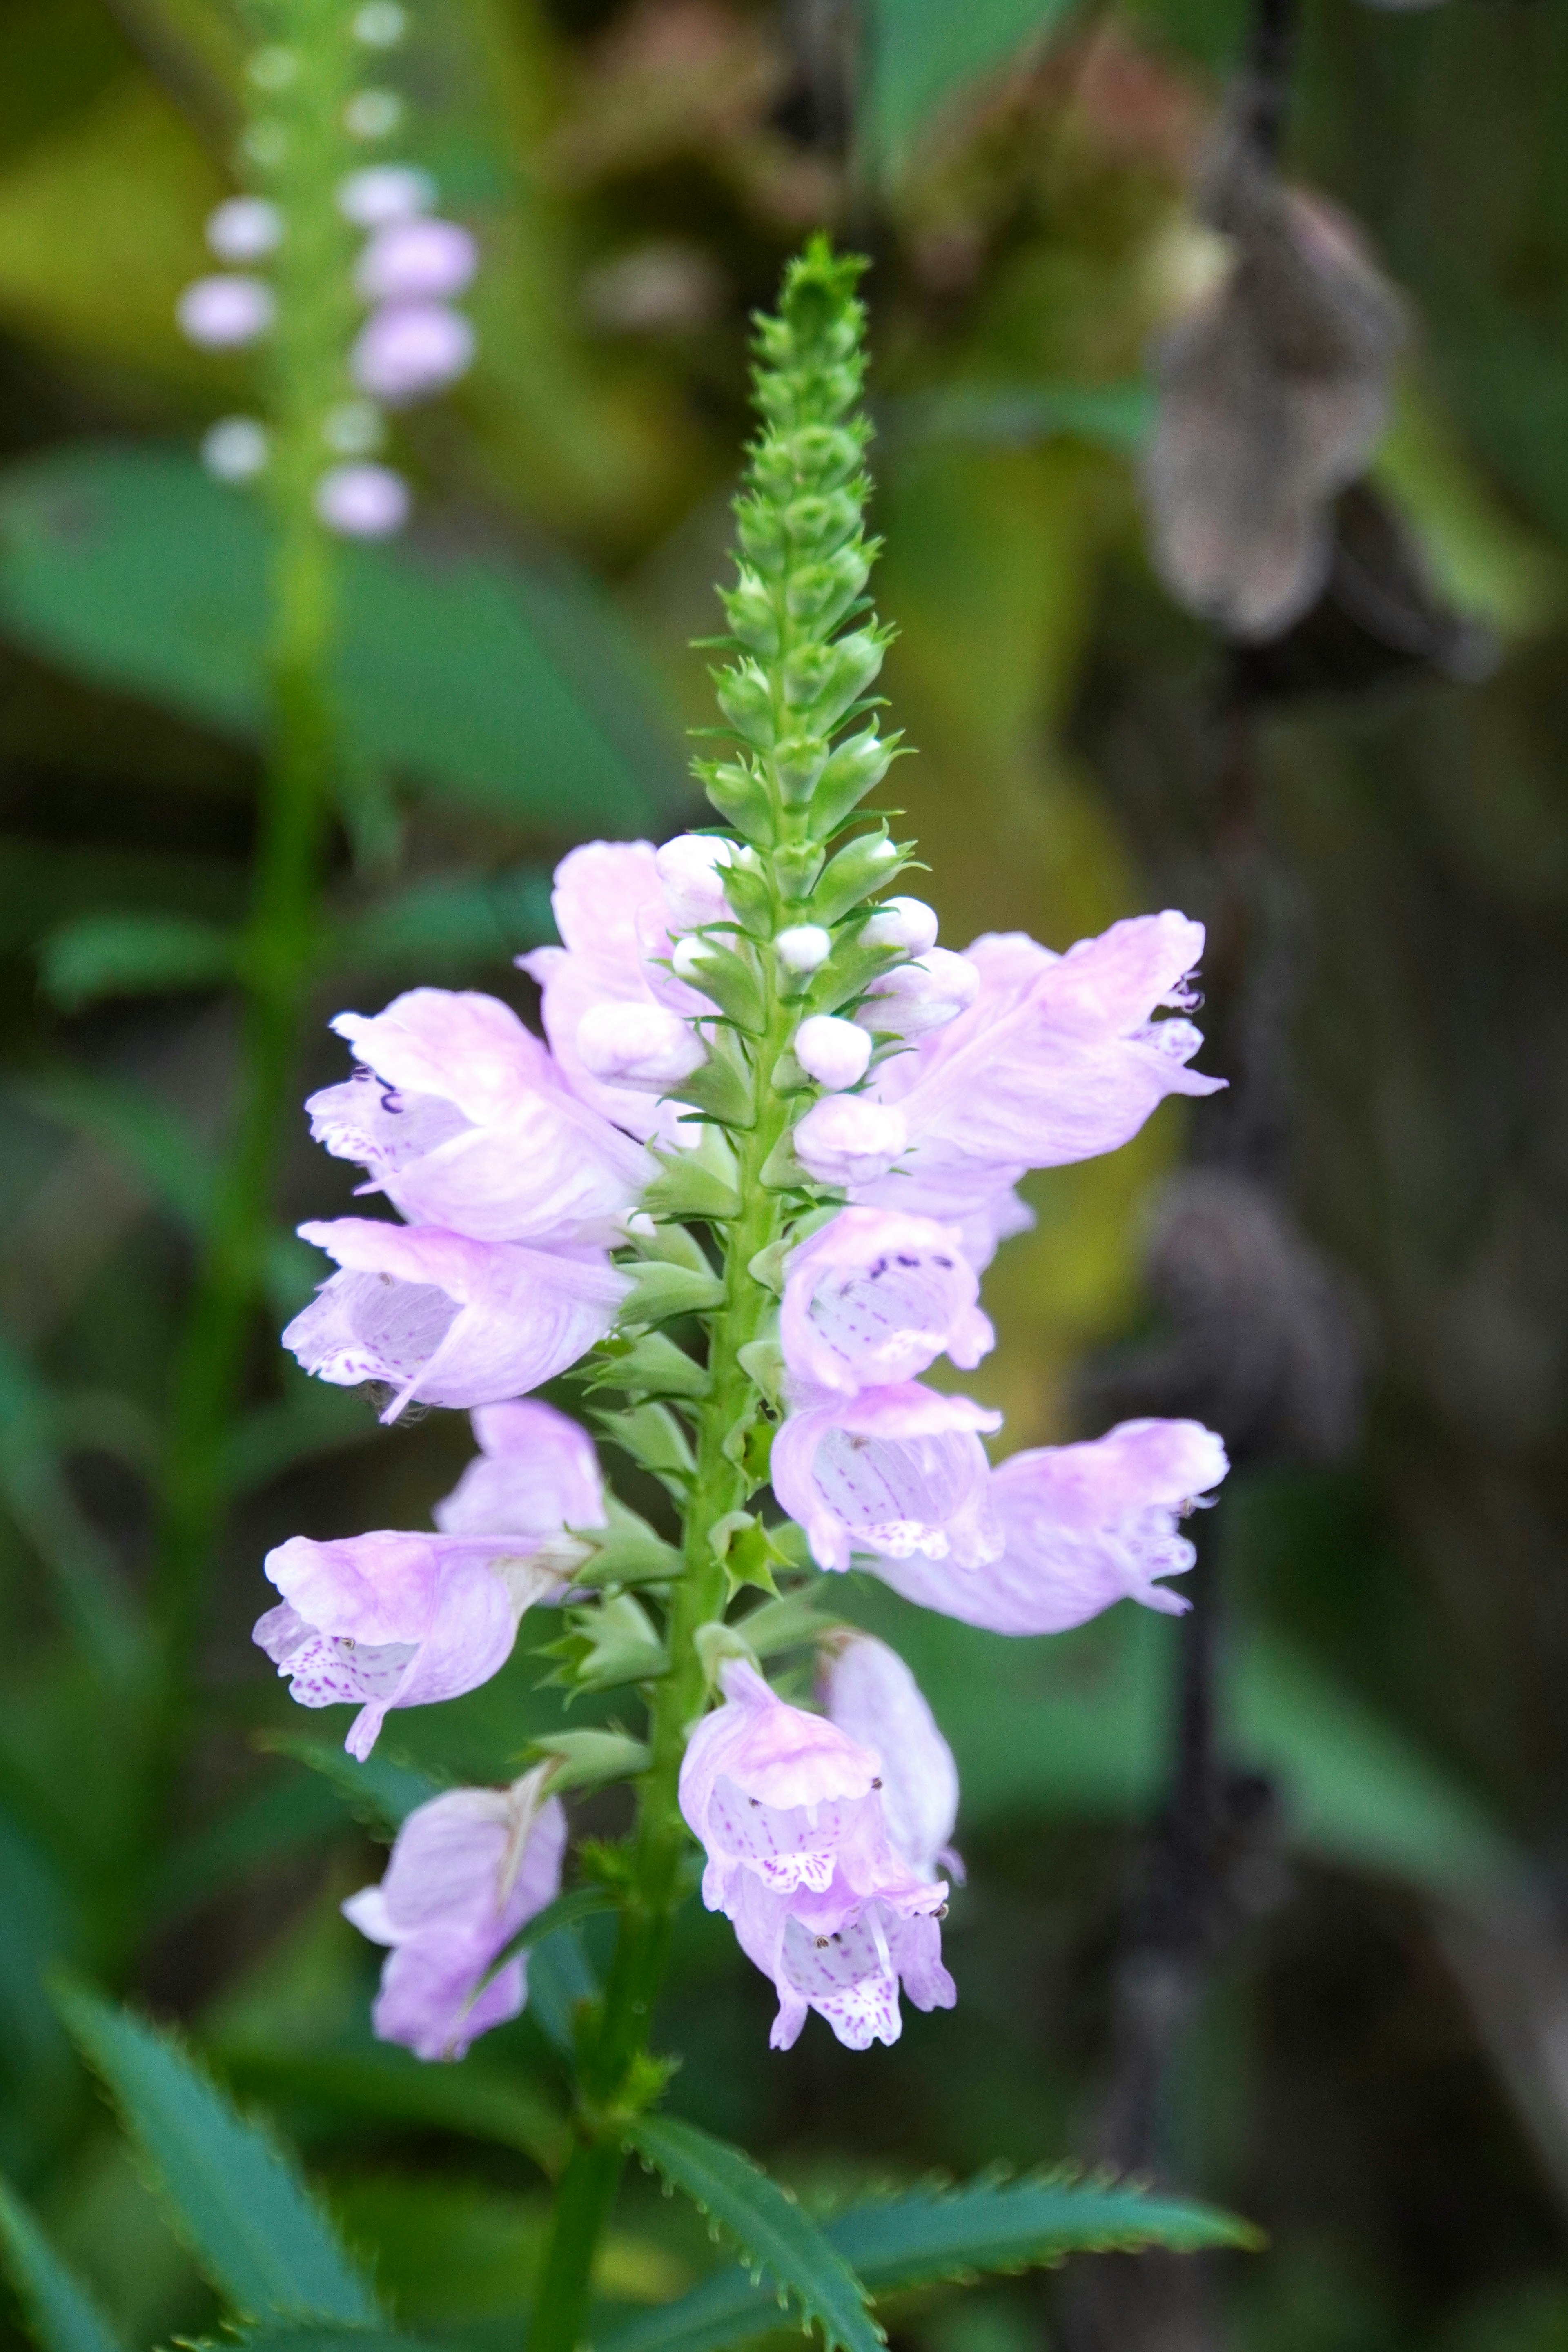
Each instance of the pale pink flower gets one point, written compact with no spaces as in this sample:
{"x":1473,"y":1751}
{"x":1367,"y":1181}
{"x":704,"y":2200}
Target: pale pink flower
{"x":461,"y":1118}
{"x":789,"y":1810}
{"x":222,"y":313}
{"x":915,"y":998}
{"x":1082,"y":1527}
{"x":869,"y":1692}
{"x":874,"y":1297}
{"x":385,"y":192}
{"x":905,"y":923}
{"x":892,"y":1472}
{"x":362,"y":500}
{"x":850,"y":1140}
{"x":416,"y":261}
{"x":409,"y":349}
{"x":537,"y":1473}
{"x":468,"y":1870}
{"x":448,"y":1320}
{"x":836,"y":1053}
{"x":691,"y":870}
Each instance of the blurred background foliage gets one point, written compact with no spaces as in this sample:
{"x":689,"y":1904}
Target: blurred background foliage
{"x":1375,"y":2072}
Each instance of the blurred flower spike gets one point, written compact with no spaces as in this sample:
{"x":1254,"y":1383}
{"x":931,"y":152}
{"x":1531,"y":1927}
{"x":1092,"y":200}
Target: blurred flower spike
{"x":311,"y":123}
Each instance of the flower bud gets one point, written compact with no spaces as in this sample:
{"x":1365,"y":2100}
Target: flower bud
{"x":749,"y":609}
{"x":906,"y":923}
{"x":845,"y":1139}
{"x":689,"y":867}
{"x":627,"y":1044}
{"x":834,"y":1053}
{"x":246,"y":228}
{"x":819,"y":594}
{"x":416,"y":261}
{"x":804,"y":948}
{"x":855,"y":768}
{"x":363,"y":501}
{"x":235,"y":449}
{"x":740,"y":797}
{"x":746,"y":700}
{"x":222,"y":313}
{"x":373,"y":113}
{"x":825,"y":680}
{"x":918,"y":997}
{"x":385,"y":192}
{"x":410,"y":349}
{"x":868,"y":864}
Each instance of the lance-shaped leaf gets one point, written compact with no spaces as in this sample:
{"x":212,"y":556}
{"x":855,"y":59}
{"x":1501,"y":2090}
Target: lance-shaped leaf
{"x":935,"y":2234}
{"x":61,"y":2313}
{"x":236,"y":2198}
{"x":773,"y":2234}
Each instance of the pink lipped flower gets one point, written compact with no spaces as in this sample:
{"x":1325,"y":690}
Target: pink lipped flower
{"x":468,"y":1871}
{"x":1081,"y":1527}
{"x":461,"y":1116}
{"x":874,"y":1297}
{"x":788,"y":1809}
{"x":445,"y":1320}
{"x":892,"y":1472}
{"x":393,"y":1620}
{"x":867,"y":1689}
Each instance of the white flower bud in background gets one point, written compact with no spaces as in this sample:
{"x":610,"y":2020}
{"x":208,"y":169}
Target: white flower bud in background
{"x":355,"y":429}
{"x":906,"y":923}
{"x":919,"y":997}
{"x":272,"y":67}
{"x":373,"y":115}
{"x":687,"y":959}
{"x":222,"y":313}
{"x":246,"y":228}
{"x":385,"y":192}
{"x":380,"y":24}
{"x":235,"y":449}
{"x":806,"y":948}
{"x":411,"y":348}
{"x":266,"y":143}
{"x":416,"y":260}
{"x":845,"y":1139}
{"x":363,"y":501}
{"x":834,"y":1053}
{"x":624,"y":1044}
{"x":689,"y":867}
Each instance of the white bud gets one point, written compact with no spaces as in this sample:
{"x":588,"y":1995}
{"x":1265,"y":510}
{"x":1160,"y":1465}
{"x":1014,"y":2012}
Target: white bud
{"x":690,"y":867}
{"x":385,"y":192}
{"x":687,"y":959}
{"x":380,"y":23}
{"x":638,"y":1045}
{"x":246,"y":228}
{"x":264,"y":143}
{"x":272,"y":67}
{"x":919,"y":997}
{"x":235,"y":449}
{"x":834,"y":1053}
{"x":906,"y":923}
{"x":363,"y":501}
{"x":806,"y":948}
{"x":845,"y":1139}
{"x":373,"y":113}
{"x":222,"y":313}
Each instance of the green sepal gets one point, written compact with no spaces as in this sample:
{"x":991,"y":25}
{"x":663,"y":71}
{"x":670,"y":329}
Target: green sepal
{"x":591,"y":1760}
{"x":781,"y":1171}
{"x":747,"y":1551}
{"x":607,"y":1645}
{"x":753,"y":1453}
{"x":717,"y":1645}
{"x":790,"y":1620}
{"x":797,"y":867}
{"x":667,"y":1245}
{"x":749,"y":896}
{"x":740,"y":797}
{"x":721,"y":1088}
{"x":857,"y":768}
{"x":651,"y":1365}
{"x":688,"y":1185}
{"x":626,"y":1550}
{"x":746,"y":699}
{"x":655,"y":1442}
{"x":762,"y":1361}
{"x":660,"y":1290}
{"x":788,"y":1077}
{"x":730,"y":981}
{"x":849,"y":972}
{"x":822,"y":681}
{"x":868,"y":863}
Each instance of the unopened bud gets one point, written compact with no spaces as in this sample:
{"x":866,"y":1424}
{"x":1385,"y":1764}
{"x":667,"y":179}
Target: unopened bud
{"x":845,"y":1139}
{"x":834,"y":1053}
{"x":638,"y":1045}
{"x":919,"y":997}
{"x":806,"y":948}
{"x":690,"y":867}
{"x":361,"y":501}
{"x":385,"y":192}
{"x":905,"y":923}
{"x":246,"y":228}
{"x":222,"y":313}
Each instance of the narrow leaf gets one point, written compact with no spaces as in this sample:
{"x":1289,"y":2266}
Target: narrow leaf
{"x":61,"y":2313}
{"x":378,"y":1793}
{"x":154,"y":1141}
{"x":310,"y":2335}
{"x":933,"y":2234}
{"x":243,"y":2208}
{"x":390,"y":2086}
{"x":134,"y":955}
{"x":769,"y":2227}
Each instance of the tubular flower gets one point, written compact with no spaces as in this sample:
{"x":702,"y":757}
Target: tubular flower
{"x":788,"y":1809}
{"x":875,"y":1297}
{"x":460,"y":1115}
{"x":614,"y":912}
{"x":869,"y":1692}
{"x":891,"y":1472}
{"x":537,"y":1473}
{"x":1082,"y":1527}
{"x":468,"y":1870}
{"x":445,"y":1319}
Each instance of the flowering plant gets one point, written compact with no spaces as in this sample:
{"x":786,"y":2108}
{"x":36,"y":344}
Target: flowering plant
{"x":773,"y":1112}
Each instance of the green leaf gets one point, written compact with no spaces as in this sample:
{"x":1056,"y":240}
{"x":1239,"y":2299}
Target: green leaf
{"x":156,"y":1142}
{"x":61,"y":2315}
{"x":773,"y":2232}
{"x":470,"y":675}
{"x":380,"y":1793}
{"x":134,"y":955}
{"x":386,"y":2085}
{"x":309,"y":2337}
{"x":935,"y":2234}
{"x":922,"y":54}
{"x":458,"y":920}
{"x":243,"y":2208}
{"x":591,"y":1760}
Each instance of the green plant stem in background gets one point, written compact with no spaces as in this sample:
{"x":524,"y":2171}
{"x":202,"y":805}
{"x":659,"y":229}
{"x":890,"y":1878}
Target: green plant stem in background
{"x":796,"y":683}
{"x":299,"y":146}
